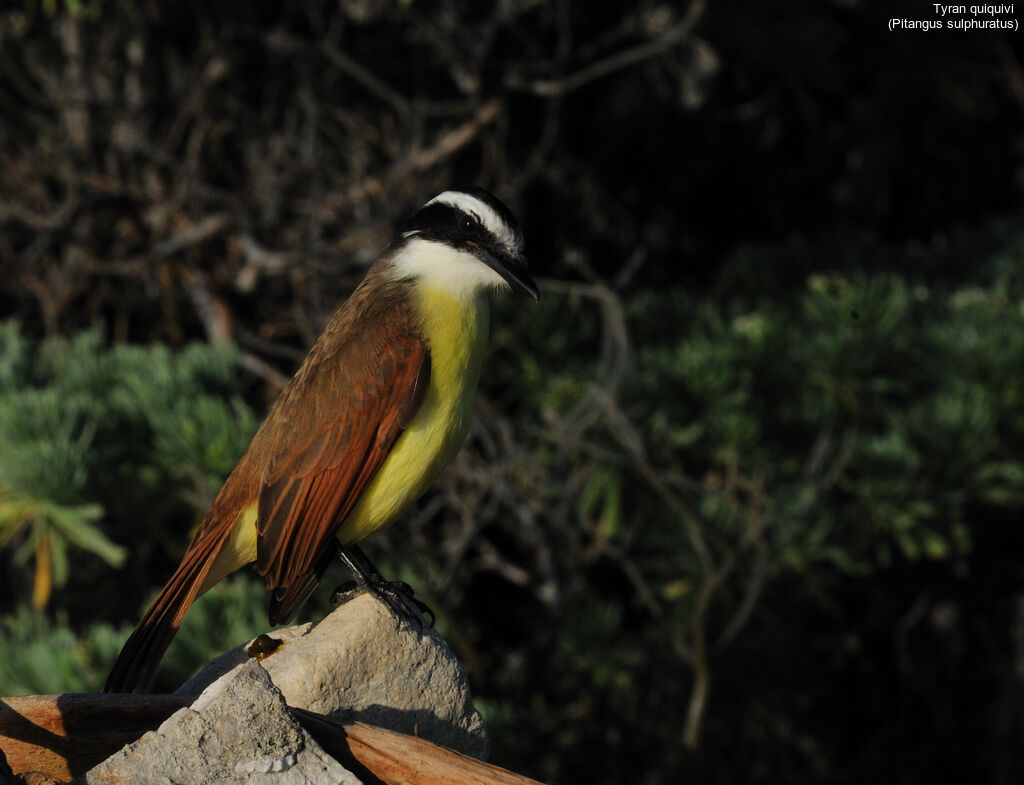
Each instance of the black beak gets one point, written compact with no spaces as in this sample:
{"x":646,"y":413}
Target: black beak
{"x":511,"y":269}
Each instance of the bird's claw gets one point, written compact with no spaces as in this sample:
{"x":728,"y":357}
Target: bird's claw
{"x":399,"y":596}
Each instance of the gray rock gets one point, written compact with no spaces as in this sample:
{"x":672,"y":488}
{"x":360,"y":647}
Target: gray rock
{"x":237,"y":731}
{"x":360,"y":663}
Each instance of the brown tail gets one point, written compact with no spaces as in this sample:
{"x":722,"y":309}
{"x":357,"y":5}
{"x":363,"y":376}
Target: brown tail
{"x":145,"y":647}
{"x":286,"y":601}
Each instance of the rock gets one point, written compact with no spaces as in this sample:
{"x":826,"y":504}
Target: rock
{"x":238,"y":731}
{"x":360,"y":663}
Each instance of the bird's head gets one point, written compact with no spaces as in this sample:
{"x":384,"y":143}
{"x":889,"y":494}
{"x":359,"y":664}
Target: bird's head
{"x":465,"y":241}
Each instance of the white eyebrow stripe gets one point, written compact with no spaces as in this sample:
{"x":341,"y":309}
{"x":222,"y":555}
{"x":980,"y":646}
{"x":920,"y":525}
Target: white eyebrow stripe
{"x":483,"y":211}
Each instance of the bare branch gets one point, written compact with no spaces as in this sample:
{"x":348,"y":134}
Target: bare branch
{"x":554,"y":88}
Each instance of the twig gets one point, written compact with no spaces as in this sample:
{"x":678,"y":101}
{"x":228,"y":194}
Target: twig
{"x":377,"y":86}
{"x":553,"y":88}
{"x":448,"y":143}
{"x":264,"y":370}
{"x":191,"y":235}
{"x":283,"y":42}
{"x":210,"y":308}
{"x":752,"y":593}
{"x":701,"y":673}
{"x":629,"y":439}
{"x":614,"y":358}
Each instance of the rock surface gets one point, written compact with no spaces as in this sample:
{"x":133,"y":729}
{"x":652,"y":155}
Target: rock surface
{"x":360,"y":663}
{"x":238,"y":731}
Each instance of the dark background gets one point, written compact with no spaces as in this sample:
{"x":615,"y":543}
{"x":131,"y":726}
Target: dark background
{"x":743,"y":499}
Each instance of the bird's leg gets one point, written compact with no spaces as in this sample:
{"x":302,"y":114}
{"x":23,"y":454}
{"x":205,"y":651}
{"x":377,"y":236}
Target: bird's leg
{"x":397,"y":595}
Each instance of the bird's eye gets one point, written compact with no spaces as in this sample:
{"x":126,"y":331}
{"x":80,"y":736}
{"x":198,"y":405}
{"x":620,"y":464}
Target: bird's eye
{"x":467,"y":223}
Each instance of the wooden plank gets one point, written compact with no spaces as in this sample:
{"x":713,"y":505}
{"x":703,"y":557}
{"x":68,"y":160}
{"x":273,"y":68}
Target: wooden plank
{"x":63,"y":736}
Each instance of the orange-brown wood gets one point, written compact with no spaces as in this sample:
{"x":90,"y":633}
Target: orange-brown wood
{"x":63,"y":736}
{"x":398,"y":759}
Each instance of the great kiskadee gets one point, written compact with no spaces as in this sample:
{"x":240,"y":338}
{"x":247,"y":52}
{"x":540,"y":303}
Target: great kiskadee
{"x":379,"y":406}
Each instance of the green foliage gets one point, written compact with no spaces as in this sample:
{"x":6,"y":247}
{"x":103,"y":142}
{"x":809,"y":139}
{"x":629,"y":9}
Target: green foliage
{"x":769,"y":442}
{"x":869,"y":412}
{"x":45,"y":657}
{"x":831,"y":432}
{"x":91,"y":434}
{"x":679,"y":458}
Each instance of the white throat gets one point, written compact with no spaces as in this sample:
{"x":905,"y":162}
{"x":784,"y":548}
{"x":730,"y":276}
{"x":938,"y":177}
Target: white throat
{"x":440,"y":266}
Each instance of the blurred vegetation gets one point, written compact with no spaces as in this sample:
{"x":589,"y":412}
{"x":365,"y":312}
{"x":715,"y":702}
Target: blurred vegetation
{"x":743,"y":498}
{"x":851,"y":432}
{"x":46,"y":655}
{"x":89,"y":433}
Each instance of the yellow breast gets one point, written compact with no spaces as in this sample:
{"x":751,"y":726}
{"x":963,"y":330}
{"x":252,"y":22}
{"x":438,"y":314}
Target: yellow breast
{"x":456,"y":331}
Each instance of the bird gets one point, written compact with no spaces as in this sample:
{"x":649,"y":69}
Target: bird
{"x":378,"y":407}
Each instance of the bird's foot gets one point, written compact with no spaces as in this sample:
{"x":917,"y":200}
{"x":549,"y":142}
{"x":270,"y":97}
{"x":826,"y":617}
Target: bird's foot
{"x":397,"y":595}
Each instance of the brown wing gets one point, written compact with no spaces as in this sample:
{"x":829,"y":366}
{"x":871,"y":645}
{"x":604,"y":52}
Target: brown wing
{"x":361,"y":386}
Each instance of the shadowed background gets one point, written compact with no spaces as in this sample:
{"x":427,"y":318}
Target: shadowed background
{"x":742,"y":500}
